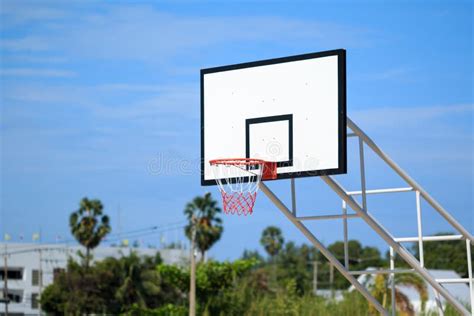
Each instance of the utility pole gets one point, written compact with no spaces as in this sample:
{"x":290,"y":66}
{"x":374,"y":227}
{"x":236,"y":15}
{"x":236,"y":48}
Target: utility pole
{"x":331,"y":279}
{"x":5,"y":281}
{"x":315,"y":277}
{"x":192,"y":287}
{"x":40,"y":283}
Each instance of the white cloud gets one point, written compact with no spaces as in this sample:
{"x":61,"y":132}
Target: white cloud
{"x":34,"y":59}
{"x":407,"y":116}
{"x":107,"y":100}
{"x":180,"y":99}
{"x":134,"y":32}
{"x":26,"y":44}
{"x":394,"y":73}
{"x":36,"y":72}
{"x":16,"y":13}
{"x":126,"y":87}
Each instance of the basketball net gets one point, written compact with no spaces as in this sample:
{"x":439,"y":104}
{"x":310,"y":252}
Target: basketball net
{"x":238,"y":181}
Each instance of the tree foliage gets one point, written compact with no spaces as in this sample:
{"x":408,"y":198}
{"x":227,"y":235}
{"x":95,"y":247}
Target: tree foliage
{"x":453,"y":256}
{"x":272,"y":240}
{"x":89,"y":225}
{"x":110,"y":286}
{"x":208,"y":223}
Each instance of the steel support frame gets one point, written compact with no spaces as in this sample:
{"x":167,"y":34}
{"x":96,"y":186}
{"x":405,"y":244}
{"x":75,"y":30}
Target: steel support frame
{"x":394,"y":243}
{"x":318,"y":245}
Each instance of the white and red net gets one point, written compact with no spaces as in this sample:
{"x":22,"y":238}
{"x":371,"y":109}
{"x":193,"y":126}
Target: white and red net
{"x":238,"y":180}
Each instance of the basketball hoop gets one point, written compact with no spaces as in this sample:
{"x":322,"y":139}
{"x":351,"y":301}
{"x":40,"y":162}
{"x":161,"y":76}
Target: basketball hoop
{"x":238,"y":180}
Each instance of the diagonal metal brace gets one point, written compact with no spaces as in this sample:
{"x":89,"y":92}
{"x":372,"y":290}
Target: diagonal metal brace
{"x":279,"y":204}
{"x":402,"y":251}
{"x":449,"y":218}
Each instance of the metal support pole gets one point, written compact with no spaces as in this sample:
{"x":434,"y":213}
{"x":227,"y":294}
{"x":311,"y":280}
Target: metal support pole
{"x":381,"y":191}
{"x":420,"y":231}
{"x":346,"y":241}
{"x":431,"y":238}
{"x":325,"y":217}
{"x":5,"y":281}
{"x":404,"y":253}
{"x":409,"y":180}
{"x":439,"y":304}
{"x":318,"y":245}
{"x":315,"y":277}
{"x":331,"y":279}
{"x":469,"y":274}
{"x":40,"y":283}
{"x":192,"y":287}
{"x":293,"y":197}
{"x":392,"y":282}
{"x":362,"y":175}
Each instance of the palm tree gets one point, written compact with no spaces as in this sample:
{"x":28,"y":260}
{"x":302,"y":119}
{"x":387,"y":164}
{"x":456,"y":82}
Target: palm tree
{"x":89,"y":225}
{"x":381,"y":290}
{"x":208,"y":225}
{"x":272,"y":240}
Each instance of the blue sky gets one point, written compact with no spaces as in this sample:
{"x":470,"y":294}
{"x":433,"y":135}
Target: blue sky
{"x":96,"y":97}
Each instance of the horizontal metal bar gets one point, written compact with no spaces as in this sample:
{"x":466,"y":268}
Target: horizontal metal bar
{"x":415,"y":185}
{"x":463,"y":280}
{"x":380,"y":191}
{"x":430,"y":238}
{"x":381,"y":271}
{"x":402,"y":251}
{"x":322,"y":249}
{"x":352,"y":135}
{"x":323,"y":217}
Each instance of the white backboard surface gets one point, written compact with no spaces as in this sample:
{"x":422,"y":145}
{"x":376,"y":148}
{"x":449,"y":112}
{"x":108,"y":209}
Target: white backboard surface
{"x":291,"y":110}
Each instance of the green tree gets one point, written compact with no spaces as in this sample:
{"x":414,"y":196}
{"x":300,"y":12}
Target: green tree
{"x":272,"y":240}
{"x":111,"y":286}
{"x":360,"y":258}
{"x":140,"y":282}
{"x":443,"y":255}
{"x":296,"y":263}
{"x":208,"y":223}
{"x":252,"y":255}
{"x":89,"y":225}
{"x":450,"y":255}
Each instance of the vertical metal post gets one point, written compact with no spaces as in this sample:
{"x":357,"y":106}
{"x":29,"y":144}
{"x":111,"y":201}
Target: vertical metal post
{"x":192,"y":287}
{"x":5,"y":281}
{"x":40,"y":283}
{"x":362,"y":174}
{"x":402,"y":251}
{"x":346,"y":242}
{"x":469,"y":274}
{"x":392,"y":282}
{"x":318,"y":245}
{"x":420,"y":230}
{"x":331,"y":279}
{"x":439,"y":303}
{"x":293,"y":197}
{"x":369,"y":142}
{"x":315,"y":277}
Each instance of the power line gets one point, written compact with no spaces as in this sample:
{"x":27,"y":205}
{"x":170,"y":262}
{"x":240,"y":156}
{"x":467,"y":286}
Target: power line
{"x":62,"y":248}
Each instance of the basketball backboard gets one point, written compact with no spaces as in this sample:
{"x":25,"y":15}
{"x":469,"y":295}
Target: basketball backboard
{"x":289,"y":110}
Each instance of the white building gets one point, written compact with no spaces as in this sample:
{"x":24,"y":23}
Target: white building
{"x":26,"y":260}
